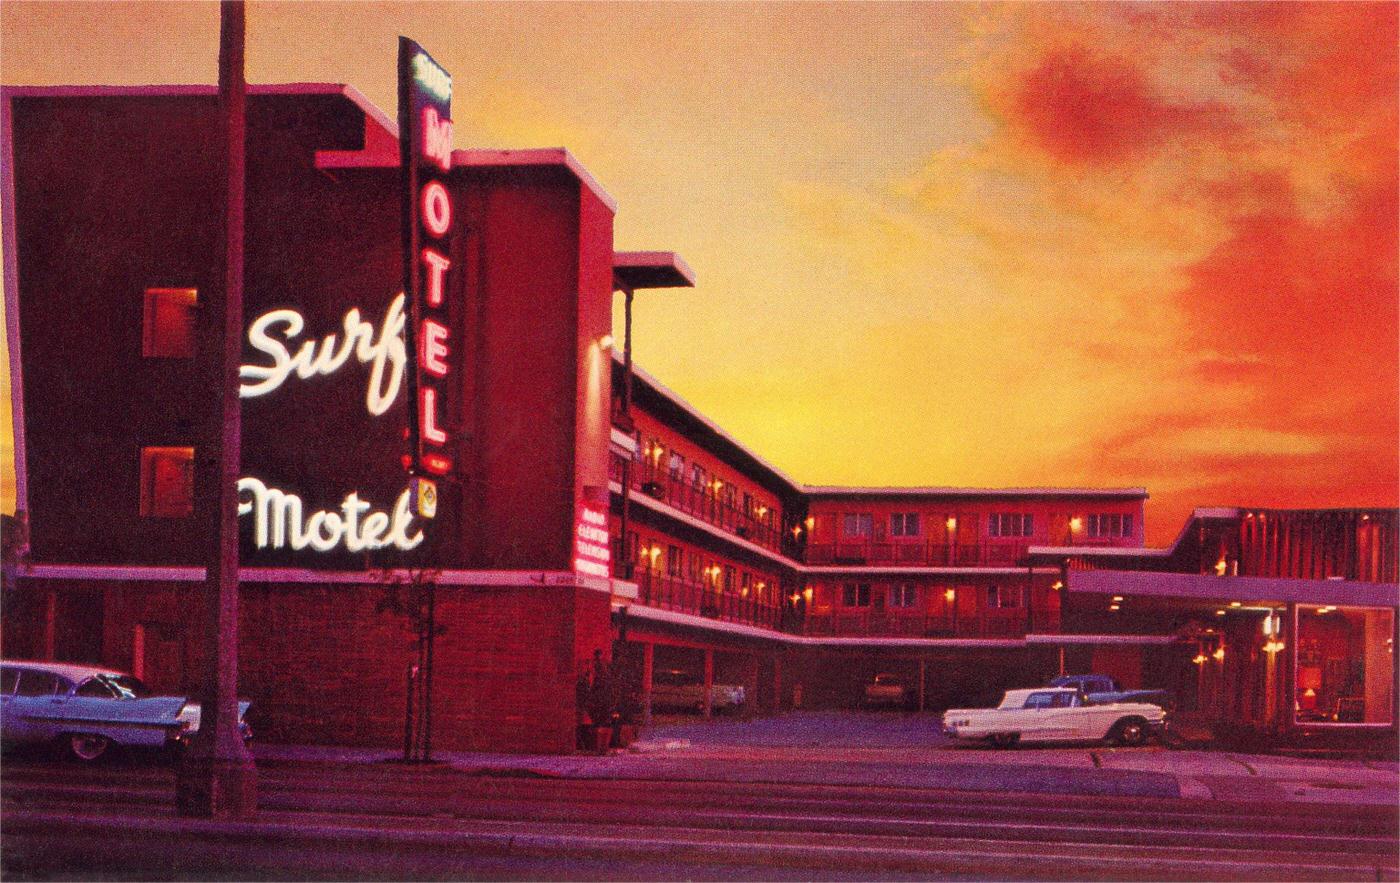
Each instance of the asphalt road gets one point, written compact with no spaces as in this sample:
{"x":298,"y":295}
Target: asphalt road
{"x":382,"y":820}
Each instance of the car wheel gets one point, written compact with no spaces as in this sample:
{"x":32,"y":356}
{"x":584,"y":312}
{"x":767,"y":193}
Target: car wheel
{"x":1005,"y":740}
{"x":1131,"y":732}
{"x":87,"y":747}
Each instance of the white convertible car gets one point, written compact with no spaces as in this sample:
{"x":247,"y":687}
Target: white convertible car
{"x":1055,"y":714}
{"x":87,"y":709}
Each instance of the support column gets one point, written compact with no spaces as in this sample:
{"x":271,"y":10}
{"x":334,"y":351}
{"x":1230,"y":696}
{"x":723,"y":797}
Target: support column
{"x":648,"y":665}
{"x":923,"y":666}
{"x":709,"y":683}
{"x":50,"y":623}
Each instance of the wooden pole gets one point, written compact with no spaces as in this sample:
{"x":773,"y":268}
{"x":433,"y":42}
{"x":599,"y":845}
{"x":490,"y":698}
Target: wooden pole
{"x":217,"y":778}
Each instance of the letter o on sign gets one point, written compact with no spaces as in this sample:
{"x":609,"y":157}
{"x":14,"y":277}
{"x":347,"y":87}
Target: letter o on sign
{"x":437,"y":208}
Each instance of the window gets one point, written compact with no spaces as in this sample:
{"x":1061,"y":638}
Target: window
{"x":674,"y":560}
{"x":857,"y":525}
{"x":167,"y":329}
{"x":1003,"y":596}
{"x":904,"y":524}
{"x":37,"y":683}
{"x":1050,"y":700}
{"x":748,"y":505}
{"x":855,"y":594}
{"x":904,"y":595}
{"x":1010,"y":524}
{"x":697,"y":477}
{"x":1345,"y":665}
{"x":728,"y":578}
{"x":1114,"y":525}
{"x":677,"y":466}
{"x":167,"y":482}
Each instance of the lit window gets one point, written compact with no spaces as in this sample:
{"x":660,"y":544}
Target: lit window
{"x":855,"y":594}
{"x":168,"y":323}
{"x":857,"y":525}
{"x":167,"y":482}
{"x":904,"y":595}
{"x":1003,"y":596}
{"x":1010,"y":524}
{"x":677,"y":466}
{"x":1110,"y":525}
{"x":904,"y":524}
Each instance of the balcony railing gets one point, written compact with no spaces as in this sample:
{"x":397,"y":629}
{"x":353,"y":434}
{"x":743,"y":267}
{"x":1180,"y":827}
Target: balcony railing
{"x":917,"y":554}
{"x":701,"y":503}
{"x":685,"y":596}
{"x":865,"y":622}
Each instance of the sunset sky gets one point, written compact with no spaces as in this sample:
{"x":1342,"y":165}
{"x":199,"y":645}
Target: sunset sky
{"x":937,"y":244}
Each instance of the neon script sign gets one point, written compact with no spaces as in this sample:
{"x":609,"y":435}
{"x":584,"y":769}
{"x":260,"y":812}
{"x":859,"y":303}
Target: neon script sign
{"x":278,"y":522}
{"x":275,"y":332}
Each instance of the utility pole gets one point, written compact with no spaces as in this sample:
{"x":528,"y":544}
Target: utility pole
{"x":217,"y":778}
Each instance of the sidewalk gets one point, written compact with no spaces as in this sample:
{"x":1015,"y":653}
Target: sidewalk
{"x":1141,"y":772}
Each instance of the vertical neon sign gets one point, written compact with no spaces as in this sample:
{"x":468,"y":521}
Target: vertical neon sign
{"x":425,"y":157}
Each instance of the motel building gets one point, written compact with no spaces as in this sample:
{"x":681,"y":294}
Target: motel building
{"x":586,"y":515}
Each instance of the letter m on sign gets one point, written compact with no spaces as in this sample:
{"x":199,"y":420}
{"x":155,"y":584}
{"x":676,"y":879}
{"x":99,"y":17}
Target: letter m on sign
{"x":437,"y":138}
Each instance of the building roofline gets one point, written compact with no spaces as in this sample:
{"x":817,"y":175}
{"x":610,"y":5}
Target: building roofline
{"x":1132,"y":493}
{"x":675,"y":399}
{"x":389,"y":127}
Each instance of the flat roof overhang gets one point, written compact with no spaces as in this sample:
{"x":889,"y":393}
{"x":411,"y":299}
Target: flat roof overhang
{"x":635,"y":270}
{"x":1221,"y":590}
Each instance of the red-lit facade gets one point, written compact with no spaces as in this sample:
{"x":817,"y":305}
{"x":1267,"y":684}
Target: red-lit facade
{"x":727,"y":569}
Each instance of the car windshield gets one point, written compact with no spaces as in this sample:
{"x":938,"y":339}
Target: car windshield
{"x":125,"y":686}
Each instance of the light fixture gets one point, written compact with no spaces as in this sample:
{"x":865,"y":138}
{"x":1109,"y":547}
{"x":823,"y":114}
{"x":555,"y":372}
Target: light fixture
{"x":1057,"y":585}
{"x":1118,"y":597}
{"x":1221,"y":567}
{"x":1199,"y":659}
{"x":1236,"y":604}
{"x":1113,"y":607}
{"x":1075,"y":522}
{"x":796,"y":530}
{"x":950,"y":595}
{"x":1219,"y":654}
{"x":793,"y":597}
{"x":811,"y":522}
{"x":1273,"y":646}
{"x":762,"y":511}
{"x":952,"y":522}
{"x":760,"y":587}
{"x":807,"y":593}
{"x":606,"y":341}
{"x":1220,"y":613}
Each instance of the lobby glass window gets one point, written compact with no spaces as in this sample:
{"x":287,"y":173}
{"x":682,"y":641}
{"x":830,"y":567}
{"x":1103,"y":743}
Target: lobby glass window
{"x":904,"y":524}
{"x":855,"y":594}
{"x":857,"y":524}
{"x":167,"y":482}
{"x":904,"y":595}
{"x":168,"y":323}
{"x":1345,"y":658}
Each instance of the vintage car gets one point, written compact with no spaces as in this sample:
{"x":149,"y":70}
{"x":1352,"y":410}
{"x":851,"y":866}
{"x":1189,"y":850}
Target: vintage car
{"x":1103,"y":689}
{"x":1054,"y":714}
{"x":886,"y":689}
{"x":87,"y":709}
{"x":677,"y":689}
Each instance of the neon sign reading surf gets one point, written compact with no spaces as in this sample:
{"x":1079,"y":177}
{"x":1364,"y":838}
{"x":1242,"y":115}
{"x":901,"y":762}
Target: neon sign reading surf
{"x":275,"y":332}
